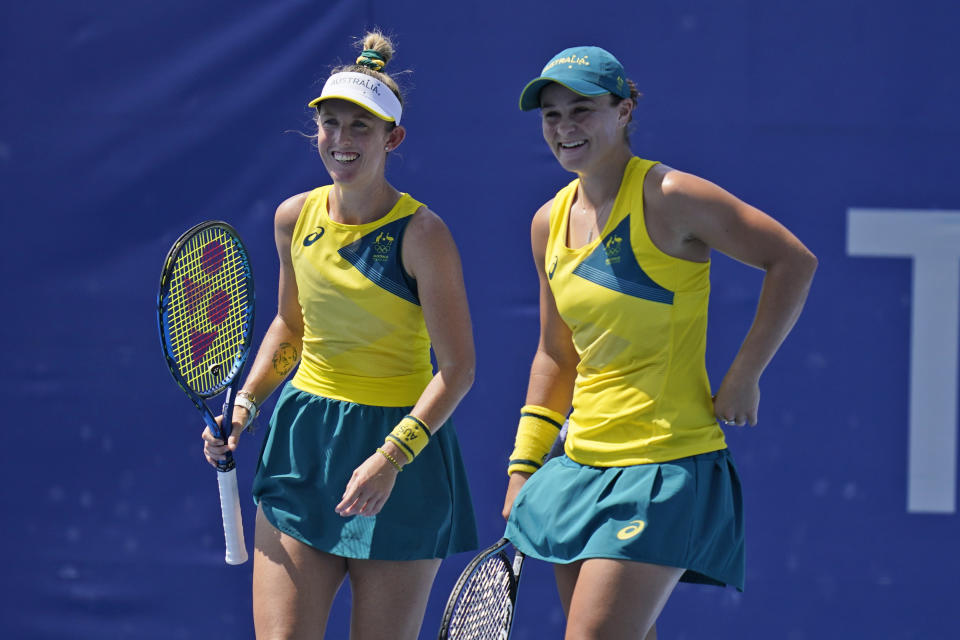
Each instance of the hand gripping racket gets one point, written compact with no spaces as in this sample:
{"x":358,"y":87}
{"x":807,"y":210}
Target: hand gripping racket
{"x":205,"y":317}
{"x":483,"y":600}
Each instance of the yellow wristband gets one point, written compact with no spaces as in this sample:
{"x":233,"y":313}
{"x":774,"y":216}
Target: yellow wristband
{"x":536,"y":433}
{"x":411,"y":435}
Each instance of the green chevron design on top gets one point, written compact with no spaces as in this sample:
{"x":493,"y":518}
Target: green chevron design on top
{"x":377,"y":256}
{"x":613,"y":265}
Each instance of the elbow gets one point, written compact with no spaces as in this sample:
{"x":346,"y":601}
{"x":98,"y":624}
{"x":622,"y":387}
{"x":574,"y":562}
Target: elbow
{"x":292,"y":323}
{"x":467,"y":376}
{"x":809,"y":263}
{"x":459,"y":377}
{"x":800,"y":264}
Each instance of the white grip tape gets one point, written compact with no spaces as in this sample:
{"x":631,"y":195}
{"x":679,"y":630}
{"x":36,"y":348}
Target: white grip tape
{"x":232,"y":522}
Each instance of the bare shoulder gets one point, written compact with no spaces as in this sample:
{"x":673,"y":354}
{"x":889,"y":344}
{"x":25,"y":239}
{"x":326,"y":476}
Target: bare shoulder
{"x":690,"y":216}
{"x":425,"y":220}
{"x":655,"y":177}
{"x":677,"y":195}
{"x":540,"y":225}
{"x":426,"y":227}
{"x":674,"y":187}
{"x":540,"y":230}
{"x":285,"y":221}
{"x":674,"y":203}
{"x":664,"y":185}
{"x":289,"y":211}
{"x":542,"y":216}
{"x":428,"y":246}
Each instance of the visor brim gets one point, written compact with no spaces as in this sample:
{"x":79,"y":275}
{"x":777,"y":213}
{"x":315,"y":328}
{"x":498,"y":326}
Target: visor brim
{"x":368,"y":106}
{"x":530,"y":96}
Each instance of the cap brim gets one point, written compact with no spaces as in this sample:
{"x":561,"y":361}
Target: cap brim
{"x":369,"y":106}
{"x":530,"y":96}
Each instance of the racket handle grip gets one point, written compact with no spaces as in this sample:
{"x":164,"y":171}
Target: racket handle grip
{"x":232,"y":521}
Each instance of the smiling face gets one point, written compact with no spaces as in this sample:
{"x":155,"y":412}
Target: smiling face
{"x":353,"y":143}
{"x":582,"y":130}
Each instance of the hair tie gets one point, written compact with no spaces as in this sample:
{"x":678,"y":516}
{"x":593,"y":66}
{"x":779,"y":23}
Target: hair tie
{"x":371,"y":59}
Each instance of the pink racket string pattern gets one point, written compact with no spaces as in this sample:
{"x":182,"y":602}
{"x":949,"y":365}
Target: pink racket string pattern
{"x":206,"y":319}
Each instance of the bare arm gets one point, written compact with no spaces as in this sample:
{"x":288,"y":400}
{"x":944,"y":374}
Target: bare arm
{"x":698,"y":215}
{"x":554,"y":368}
{"x":430,"y":256}
{"x":280,"y":349}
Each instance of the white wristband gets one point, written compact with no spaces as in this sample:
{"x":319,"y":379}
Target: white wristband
{"x":246,"y":403}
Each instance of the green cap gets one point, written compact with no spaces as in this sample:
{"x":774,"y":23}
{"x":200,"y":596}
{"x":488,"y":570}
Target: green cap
{"x":589,"y":71}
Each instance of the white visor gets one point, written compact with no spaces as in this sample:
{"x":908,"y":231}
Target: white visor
{"x":366,"y":91}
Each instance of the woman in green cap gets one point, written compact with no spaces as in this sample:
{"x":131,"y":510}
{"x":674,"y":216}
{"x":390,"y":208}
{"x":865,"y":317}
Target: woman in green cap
{"x":360,"y":474}
{"x":646,"y":493}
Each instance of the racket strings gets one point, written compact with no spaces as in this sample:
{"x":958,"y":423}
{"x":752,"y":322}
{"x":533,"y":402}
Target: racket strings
{"x":205,"y":313}
{"x":484,"y":607}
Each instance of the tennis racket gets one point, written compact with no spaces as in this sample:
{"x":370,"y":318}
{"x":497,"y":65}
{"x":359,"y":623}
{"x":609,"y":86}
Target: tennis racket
{"x":483,"y":600}
{"x":205,"y":317}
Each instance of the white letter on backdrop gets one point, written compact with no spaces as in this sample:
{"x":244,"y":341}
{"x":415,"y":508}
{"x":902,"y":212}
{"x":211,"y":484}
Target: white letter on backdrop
{"x":932,"y":239}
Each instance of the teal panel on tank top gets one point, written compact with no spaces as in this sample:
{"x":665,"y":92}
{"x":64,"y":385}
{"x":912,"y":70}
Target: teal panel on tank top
{"x":613,"y":265}
{"x":377,"y":256}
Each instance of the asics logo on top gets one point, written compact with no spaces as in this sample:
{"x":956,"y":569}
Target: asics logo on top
{"x":553,"y":267}
{"x":631,"y":530}
{"x":313,"y":237}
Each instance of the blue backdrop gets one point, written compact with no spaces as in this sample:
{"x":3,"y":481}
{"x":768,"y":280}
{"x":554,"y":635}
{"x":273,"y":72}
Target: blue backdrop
{"x":124,"y":123}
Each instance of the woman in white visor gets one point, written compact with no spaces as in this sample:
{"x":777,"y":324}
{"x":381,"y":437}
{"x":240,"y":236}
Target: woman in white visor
{"x":360,"y":474}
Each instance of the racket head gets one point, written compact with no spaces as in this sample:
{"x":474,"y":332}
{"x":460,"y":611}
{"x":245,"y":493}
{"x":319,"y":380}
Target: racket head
{"x":482,"y":602}
{"x":205,"y":308}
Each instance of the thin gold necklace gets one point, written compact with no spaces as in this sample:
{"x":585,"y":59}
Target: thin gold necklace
{"x":598,"y":211}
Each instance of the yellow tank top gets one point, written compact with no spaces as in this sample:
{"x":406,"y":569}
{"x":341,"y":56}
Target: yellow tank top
{"x":639,"y":321}
{"x":364,"y":337}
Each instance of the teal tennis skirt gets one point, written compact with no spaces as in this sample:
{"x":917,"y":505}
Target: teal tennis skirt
{"x":685,"y":513}
{"x":311,"y":450}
